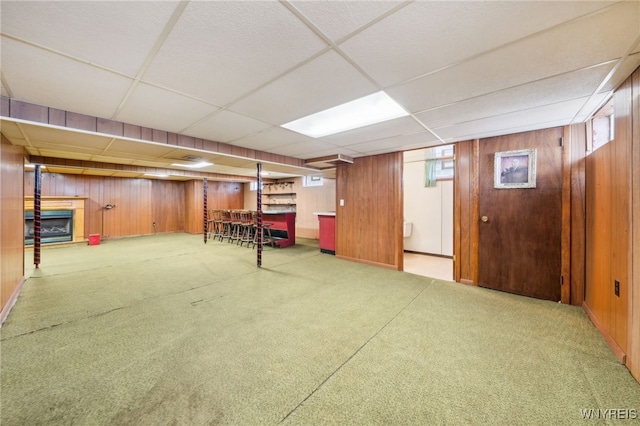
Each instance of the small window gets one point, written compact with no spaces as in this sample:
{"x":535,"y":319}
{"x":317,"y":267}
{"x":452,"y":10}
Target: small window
{"x":602,"y":126}
{"x":253,"y":186}
{"x":313,"y":181}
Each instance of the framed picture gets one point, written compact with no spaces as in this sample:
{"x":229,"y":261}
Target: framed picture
{"x":515,"y":169}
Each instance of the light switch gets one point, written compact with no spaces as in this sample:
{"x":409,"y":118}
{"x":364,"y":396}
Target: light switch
{"x":341,"y":202}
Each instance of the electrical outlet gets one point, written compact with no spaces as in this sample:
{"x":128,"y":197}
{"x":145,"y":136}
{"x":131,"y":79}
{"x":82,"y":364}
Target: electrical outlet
{"x":154,"y":224}
{"x":616,"y":287}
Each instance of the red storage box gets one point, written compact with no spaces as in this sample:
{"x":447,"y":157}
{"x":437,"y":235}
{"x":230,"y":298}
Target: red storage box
{"x":94,"y":239}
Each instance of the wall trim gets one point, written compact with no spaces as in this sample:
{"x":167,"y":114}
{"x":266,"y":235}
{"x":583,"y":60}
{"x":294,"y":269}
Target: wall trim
{"x":12,"y":301}
{"x":369,"y":262}
{"x":617,"y":350}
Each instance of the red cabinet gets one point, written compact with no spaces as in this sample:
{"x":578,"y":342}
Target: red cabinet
{"x":327,"y":232}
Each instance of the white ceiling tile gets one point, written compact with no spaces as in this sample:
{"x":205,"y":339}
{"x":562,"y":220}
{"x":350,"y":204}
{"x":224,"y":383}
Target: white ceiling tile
{"x":45,"y":78}
{"x":106,"y":33}
{"x":271,"y":138}
{"x":337,"y":19}
{"x":323,"y":83}
{"x":160,"y":109}
{"x":225,"y":126}
{"x":225,"y":49}
{"x":396,"y":127}
{"x":429,"y":35}
{"x":395,"y":143}
{"x":592,"y":106}
{"x":628,"y":66}
{"x":301,"y":148}
{"x":535,"y":118}
{"x":569,"y":47}
{"x":567,"y":86}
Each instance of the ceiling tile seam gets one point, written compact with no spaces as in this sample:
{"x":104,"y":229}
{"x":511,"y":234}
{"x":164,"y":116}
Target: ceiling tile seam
{"x":24,"y":135}
{"x":175,"y":16}
{"x":504,"y":114}
{"x":350,"y":146}
{"x":229,"y":105}
{"x":493,"y":92}
{"x":106,"y":148}
{"x":501,"y":46}
{"x":509,"y":130}
{"x":6,"y":85}
{"x":427,"y":128}
{"x":65,"y":55}
{"x":604,"y":81}
{"x":374,"y":21}
{"x":333,"y":45}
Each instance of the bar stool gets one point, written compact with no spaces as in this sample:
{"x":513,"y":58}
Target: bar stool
{"x":226,"y":225}
{"x":267,"y":239}
{"x":217,"y":227}
{"x":236,"y":226}
{"x":246,"y":235}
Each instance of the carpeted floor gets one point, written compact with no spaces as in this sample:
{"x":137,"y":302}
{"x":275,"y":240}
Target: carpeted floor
{"x":167,"y":330}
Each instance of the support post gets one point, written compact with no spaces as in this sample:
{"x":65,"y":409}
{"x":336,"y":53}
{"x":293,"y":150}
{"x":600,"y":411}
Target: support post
{"x":206,"y":212}
{"x":259,"y":213}
{"x":37,"y":217}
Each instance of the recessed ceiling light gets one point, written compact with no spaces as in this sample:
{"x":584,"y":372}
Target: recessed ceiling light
{"x":194,"y":165}
{"x":33,"y":166}
{"x":156,"y":175}
{"x":361,"y":112}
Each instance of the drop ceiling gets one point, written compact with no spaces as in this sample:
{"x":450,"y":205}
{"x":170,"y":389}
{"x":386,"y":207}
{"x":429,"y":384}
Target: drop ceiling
{"x":234,"y":71}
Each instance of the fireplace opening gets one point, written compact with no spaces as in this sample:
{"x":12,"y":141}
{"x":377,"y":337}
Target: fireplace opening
{"x":55,"y":226}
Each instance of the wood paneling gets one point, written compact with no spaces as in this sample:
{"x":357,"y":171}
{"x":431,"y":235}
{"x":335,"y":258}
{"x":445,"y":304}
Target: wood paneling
{"x":139,"y":202}
{"x":369,"y":224}
{"x":312,"y":199}
{"x":220,"y":195}
{"x":578,"y":148}
{"x":465,"y":229}
{"x":633,"y":340}
{"x":611,"y":216}
{"x":11,"y":225}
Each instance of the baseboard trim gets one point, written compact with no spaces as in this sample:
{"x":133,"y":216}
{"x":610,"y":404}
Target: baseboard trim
{"x":429,"y":254}
{"x":617,"y":350}
{"x":369,"y":262}
{"x":12,"y":301}
{"x":467,"y":282}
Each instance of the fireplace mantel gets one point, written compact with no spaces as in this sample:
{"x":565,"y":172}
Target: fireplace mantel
{"x":58,"y":202}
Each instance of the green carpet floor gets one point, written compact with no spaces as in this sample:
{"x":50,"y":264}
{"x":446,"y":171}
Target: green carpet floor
{"x":165,"y":330}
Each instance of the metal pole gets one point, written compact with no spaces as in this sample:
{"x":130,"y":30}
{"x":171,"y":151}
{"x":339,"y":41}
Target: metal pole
{"x":37,"y":218}
{"x":259,"y":214}
{"x":206,"y":213}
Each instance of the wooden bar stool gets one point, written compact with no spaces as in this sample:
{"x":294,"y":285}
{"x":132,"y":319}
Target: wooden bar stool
{"x":246,"y":218}
{"x":236,"y":226}
{"x":267,"y":239}
{"x":216,"y":229}
{"x":226,"y":225}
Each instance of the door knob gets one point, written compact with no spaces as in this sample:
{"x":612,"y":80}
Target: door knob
{"x":484,"y":219}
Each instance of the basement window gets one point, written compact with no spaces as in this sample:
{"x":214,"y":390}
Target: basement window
{"x":602,"y":126}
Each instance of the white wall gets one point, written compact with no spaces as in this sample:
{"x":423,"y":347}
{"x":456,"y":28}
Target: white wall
{"x":430,"y":210}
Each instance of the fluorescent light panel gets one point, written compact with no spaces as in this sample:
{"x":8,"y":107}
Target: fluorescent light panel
{"x":361,"y":112}
{"x":194,"y":165}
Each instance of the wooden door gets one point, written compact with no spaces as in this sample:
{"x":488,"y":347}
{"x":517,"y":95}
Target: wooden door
{"x":519,"y":243}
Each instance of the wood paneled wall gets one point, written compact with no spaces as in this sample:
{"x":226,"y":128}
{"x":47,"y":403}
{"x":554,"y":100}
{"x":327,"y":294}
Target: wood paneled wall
{"x":465,"y":204}
{"x":11,"y":225}
{"x":575,"y":141}
{"x":369,"y":224}
{"x":139,"y":202}
{"x":466,"y":201}
{"x":613,"y":219}
{"x":220,"y":195}
{"x":633,"y":341}
{"x":312,"y":199}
